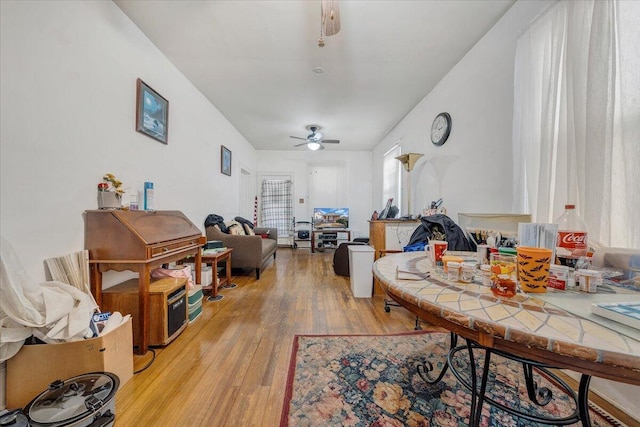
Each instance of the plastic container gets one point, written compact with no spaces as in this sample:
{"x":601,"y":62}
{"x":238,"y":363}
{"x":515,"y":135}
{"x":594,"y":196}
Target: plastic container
{"x":148,"y":196}
{"x":589,"y":280}
{"x":453,"y":271}
{"x":572,"y":242}
{"x":558,"y":276}
{"x":485,"y":274}
{"x":467,"y":271}
{"x":133,"y":202}
{"x":446,"y":259}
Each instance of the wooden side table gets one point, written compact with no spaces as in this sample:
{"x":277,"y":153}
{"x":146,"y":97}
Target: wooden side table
{"x":213,"y":259}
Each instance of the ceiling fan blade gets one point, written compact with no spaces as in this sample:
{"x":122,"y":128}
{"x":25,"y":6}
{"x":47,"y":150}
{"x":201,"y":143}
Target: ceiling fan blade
{"x":297,"y":137}
{"x":299,"y":145}
{"x":330,"y":141}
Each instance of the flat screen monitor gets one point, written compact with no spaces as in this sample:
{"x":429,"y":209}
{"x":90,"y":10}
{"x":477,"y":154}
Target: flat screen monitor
{"x":331,"y":217}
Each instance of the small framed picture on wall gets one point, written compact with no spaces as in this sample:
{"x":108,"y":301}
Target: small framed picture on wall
{"x":225,"y":160}
{"x":152,"y":113}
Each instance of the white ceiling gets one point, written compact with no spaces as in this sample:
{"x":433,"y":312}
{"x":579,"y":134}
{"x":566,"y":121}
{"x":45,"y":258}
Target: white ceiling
{"x":254,"y":60}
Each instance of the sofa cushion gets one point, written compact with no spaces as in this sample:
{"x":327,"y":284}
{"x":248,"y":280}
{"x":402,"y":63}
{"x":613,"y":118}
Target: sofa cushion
{"x":248,"y":230}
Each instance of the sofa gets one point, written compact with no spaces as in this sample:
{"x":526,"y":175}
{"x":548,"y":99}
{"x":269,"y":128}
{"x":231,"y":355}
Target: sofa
{"x":248,"y":251}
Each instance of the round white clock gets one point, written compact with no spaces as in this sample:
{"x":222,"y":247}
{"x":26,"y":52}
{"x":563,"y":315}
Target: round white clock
{"x":441,"y":128}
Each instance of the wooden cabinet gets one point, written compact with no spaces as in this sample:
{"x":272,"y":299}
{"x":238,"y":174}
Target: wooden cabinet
{"x":138,"y":241}
{"x":389,"y":235}
{"x":168,"y":313}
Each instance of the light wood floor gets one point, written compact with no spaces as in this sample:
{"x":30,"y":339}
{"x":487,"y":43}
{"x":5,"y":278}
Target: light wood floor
{"x":229,"y":367}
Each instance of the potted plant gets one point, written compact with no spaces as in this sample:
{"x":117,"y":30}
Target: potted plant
{"x":110,"y":192}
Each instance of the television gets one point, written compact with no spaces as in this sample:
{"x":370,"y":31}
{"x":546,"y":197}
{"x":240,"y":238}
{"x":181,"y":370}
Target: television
{"x":331,"y":217}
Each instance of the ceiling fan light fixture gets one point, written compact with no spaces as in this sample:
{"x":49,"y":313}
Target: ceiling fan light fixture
{"x":315,"y":137}
{"x":313,"y":146}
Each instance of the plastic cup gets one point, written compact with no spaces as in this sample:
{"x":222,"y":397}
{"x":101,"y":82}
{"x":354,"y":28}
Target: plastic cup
{"x":533,"y":268}
{"x":503,"y":275}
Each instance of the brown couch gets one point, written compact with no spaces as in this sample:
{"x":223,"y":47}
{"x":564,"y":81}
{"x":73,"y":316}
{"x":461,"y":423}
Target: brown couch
{"x":248,"y":251}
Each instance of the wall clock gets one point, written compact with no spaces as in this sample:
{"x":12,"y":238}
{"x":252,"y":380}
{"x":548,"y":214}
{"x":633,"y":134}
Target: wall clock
{"x":441,"y":128}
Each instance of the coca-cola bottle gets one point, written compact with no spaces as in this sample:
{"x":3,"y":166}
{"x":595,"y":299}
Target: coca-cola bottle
{"x":572,"y":237}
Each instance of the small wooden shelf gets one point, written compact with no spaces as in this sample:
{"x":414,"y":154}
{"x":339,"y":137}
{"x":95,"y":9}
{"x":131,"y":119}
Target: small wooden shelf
{"x":328,"y":238}
{"x":163,"y":293}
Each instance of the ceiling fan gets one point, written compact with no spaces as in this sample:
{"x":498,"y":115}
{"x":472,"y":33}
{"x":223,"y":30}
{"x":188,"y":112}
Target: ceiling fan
{"x":314,"y":140}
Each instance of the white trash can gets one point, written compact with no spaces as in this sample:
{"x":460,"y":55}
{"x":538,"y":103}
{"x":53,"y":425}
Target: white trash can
{"x":360,"y":270}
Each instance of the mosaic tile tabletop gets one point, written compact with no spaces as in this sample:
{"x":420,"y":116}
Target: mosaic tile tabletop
{"x":557,"y":321}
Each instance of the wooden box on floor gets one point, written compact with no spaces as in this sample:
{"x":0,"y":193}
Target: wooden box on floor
{"x":34,"y":367}
{"x":167,"y":307}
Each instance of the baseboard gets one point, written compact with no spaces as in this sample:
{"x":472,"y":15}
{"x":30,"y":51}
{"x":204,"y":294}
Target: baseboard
{"x":602,"y":402}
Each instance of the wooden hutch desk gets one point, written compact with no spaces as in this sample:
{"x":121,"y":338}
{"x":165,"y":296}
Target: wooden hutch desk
{"x":139,"y":241}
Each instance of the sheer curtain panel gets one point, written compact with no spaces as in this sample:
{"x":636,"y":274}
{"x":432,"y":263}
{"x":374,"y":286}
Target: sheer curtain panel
{"x":576,"y":131}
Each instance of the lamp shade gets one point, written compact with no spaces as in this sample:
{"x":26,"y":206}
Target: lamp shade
{"x":409,"y":160}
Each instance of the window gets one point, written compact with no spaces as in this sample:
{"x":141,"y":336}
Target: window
{"x":576,"y":128}
{"x":391,"y":176}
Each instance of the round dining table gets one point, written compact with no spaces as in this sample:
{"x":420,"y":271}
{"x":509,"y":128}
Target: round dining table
{"x":555,"y":329}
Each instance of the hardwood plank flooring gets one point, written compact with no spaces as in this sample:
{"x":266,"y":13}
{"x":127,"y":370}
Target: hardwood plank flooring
{"x":229,"y":367}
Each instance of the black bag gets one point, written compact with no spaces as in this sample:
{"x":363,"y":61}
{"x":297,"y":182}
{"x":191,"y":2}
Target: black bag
{"x":303,"y":234}
{"x":214,"y":219}
{"x":440,"y":224}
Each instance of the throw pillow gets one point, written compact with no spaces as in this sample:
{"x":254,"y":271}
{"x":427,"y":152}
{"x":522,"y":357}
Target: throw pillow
{"x":248,"y":230}
{"x":234,"y":224}
{"x":236,"y":230}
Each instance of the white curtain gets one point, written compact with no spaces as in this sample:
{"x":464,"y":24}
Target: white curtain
{"x":576,"y":132}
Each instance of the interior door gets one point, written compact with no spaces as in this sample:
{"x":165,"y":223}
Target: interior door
{"x":276,"y":205}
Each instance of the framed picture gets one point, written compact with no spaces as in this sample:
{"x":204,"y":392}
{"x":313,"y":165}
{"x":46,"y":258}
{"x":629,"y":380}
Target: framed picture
{"x":225,"y":160}
{"x":152,"y":113}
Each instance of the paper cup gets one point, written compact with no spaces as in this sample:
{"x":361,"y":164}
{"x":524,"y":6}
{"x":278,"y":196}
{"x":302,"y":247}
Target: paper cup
{"x":533,"y":268}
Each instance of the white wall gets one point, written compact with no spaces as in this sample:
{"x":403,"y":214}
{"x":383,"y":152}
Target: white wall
{"x":355,"y":188}
{"x":68,"y":84}
{"x":471,"y":171}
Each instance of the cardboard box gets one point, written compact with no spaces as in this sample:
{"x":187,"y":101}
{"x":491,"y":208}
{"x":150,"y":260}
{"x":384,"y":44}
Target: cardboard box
{"x":34,"y":367}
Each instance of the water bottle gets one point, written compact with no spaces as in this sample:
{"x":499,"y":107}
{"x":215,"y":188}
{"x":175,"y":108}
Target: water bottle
{"x":572,"y":237}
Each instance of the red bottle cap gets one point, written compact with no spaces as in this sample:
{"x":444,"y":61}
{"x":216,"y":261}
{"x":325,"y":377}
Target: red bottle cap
{"x":569,"y":206}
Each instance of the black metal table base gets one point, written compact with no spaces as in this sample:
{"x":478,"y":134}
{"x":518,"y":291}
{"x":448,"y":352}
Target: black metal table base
{"x":540,"y":396}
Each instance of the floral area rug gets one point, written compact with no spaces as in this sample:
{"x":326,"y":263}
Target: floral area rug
{"x":372,"y":381}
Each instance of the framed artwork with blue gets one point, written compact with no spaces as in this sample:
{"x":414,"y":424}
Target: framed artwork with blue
{"x":225,"y":160}
{"x":152,"y":113}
